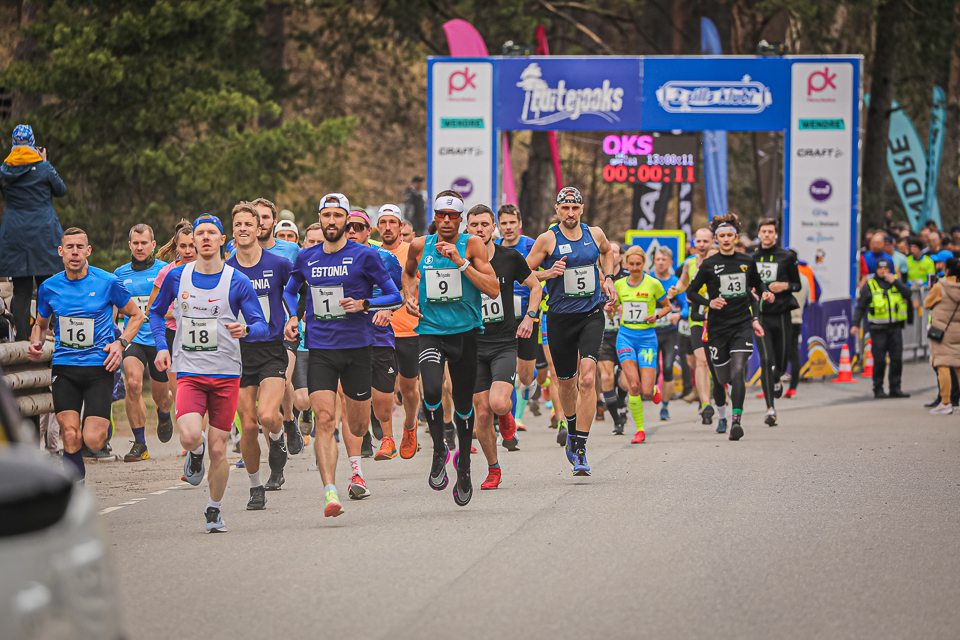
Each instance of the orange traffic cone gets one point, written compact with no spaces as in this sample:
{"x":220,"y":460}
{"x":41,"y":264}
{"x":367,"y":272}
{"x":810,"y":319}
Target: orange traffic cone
{"x":868,"y":359}
{"x":845,"y":376}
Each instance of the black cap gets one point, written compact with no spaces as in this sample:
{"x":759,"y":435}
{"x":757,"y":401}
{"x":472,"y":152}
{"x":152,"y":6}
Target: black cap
{"x":569,"y":195}
{"x":417,"y":179}
{"x":883,"y":262}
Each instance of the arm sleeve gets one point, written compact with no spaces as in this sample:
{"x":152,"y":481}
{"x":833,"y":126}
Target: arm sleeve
{"x":693,"y":290}
{"x":684,"y":305}
{"x":394,"y":269}
{"x":793,"y":276}
{"x":57,"y":188}
{"x":376,"y":274}
{"x":244,"y":298}
{"x":903,"y":289}
{"x":302,"y":307}
{"x":161,"y":303}
{"x":292,"y":290}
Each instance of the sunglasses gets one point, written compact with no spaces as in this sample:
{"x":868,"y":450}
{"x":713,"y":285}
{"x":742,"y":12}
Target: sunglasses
{"x":356,"y":227}
{"x":450,"y":215}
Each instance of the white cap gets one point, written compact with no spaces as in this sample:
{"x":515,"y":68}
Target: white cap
{"x":286,"y":225}
{"x":448,"y":203}
{"x":390,"y":210}
{"x":342,"y":202}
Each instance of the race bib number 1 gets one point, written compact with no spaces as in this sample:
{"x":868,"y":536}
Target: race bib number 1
{"x":492,"y":309}
{"x":76,"y":333}
{"x":326,"y":303}
{"x":579,"y":282}
{"x":768,"y":271}
{"x":199,"y":334}
{"x":733,"y":285}
{"x":443,"y":285}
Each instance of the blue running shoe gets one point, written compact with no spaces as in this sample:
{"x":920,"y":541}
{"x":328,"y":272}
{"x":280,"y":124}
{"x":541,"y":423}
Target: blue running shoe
{"x":193,"y":468}
{"x":581,"y":468}
{"x":215,"y":521}
{"x":722,"y":425}
{"x":571,"y":454}
{"x":664,"y":413}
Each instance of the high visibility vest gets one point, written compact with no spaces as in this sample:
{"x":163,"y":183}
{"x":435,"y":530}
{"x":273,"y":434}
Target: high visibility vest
{"x":887,"y":305}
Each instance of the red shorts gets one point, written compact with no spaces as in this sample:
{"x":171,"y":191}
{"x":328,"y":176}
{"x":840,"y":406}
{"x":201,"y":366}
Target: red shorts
{"x":216,"y":396}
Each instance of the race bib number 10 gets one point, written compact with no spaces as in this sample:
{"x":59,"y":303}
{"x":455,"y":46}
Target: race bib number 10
{"x":443,"y":285}
{"x":492,"y":309}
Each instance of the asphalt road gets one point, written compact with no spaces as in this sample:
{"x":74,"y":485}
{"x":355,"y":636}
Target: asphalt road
{"x":841,"y":522}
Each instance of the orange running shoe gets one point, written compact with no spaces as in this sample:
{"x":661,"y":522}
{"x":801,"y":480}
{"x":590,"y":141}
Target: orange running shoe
{"x":656,"y":395}
{"x":408,"y":444}
{"x":493,"y":479}
{"x":508,"y":426}
{"x":387,"y":450}
{"x":639,"y":438}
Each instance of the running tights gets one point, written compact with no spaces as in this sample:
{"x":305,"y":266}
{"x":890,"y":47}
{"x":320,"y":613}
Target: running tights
{"x":774,"y":348}
{"x":734,"y":373}
{"x":460,"y":351}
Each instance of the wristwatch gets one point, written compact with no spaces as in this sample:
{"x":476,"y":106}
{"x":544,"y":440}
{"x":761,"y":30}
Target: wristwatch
{"x":123,"y":343}
{"x":532,"y":314}
{"x":246,"y":330}
{"x":366,"y":304}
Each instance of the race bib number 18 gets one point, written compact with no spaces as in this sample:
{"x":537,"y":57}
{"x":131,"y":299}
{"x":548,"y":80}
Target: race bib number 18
{"x":199,"y":334}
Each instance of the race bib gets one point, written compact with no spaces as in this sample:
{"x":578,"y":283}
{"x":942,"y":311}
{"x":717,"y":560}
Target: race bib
{"x":684,"y":327}
{"x":768,"y":271}
{"x":199,"y":334}
{"x":326,"y":303}
{"x":634,"y":312}
{"x":579,"y":282}
{"x":142,"y":302}
{"x":492,"y":309}
{"x":518,"y":309}
{"x":76,"y":333}
{"x":611,"y":324}
{"x":733,"y":285}
{"x":443,"y":285}
{"x":264,"y":301}
{"x":664,"y":322}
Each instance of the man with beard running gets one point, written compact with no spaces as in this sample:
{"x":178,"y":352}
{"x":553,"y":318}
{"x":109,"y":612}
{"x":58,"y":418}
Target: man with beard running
{"x":497,"y":345}
{"x":138,"y":276}
{"x":570,"y":252}
{"x":264,"y":361}
{"x":731,"y":278}
{"x":342,"y":276}
{"x":453,"y":270}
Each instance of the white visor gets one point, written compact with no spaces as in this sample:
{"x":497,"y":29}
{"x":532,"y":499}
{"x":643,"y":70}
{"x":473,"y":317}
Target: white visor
{"x":389,"y":210}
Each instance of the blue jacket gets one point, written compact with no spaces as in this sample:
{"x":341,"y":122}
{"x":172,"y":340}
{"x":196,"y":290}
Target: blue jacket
{"x":30,"y":232}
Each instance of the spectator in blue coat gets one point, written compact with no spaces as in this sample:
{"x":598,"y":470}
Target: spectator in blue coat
{"x":30,"y":232}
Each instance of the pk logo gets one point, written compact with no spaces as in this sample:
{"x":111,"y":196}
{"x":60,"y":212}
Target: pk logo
{"x":463,"y":78}
{"x":822,"y":78}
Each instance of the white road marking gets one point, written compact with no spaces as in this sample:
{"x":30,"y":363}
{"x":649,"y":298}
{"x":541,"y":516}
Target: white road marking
{"x":157,"y":493}
{"x":109,"y":510}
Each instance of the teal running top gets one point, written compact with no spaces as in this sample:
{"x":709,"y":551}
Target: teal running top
{"x":448,"y":300}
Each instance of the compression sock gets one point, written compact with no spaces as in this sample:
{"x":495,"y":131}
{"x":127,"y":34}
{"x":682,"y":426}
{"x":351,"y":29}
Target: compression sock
{"x":255,"y":479}
{"x":610,"y":399}
{"x":212,"y":503}
{"x":355,"y":465}
{"x":722,"y":411}
{"x":513,"y":402}
{"x":495,"y":465}
{"x":621,"y":396}
{"x":138,"y":434}
{"x":520,"y":407}
{"x":636,"y":408}
{"x":76,"y":460}
{"x":737,"y":414}
{"x":163,"y":416}
{"x":464,"y":426}
{"x":572,"y":432}
{"x":434,"y":417}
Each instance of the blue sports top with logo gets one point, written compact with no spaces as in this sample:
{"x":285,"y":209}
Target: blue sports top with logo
{"x":268,"y":278}
{"x":578,"y":289}
{"x":449,"y":302}
{"x":140,"y":285}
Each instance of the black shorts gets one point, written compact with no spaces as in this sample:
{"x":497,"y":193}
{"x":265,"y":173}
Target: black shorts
{"x":86,"y":390}
{"x":496,"y":362}
{"x":541,"y":357}
{"x":147,"y":355}
{"x":608,"y":350}
{"x":407,"y":351}
{"x":291,"y":345}
{"x":737,"y":340}
{"x":667,"y":346}
{"x":696,"y":337}
{"x":262,"y":360}
{"x":171,"y":336}
{"x":527,"y":347}
{"x":573,"y":337}
{"x":349,"y":367}
{"x":384,"y":373}
{"x":299,"y":378}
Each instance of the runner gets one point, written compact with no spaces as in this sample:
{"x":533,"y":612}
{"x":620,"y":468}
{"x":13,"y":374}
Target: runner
{"x":341,"y":276}
{"x":287,"y":230}
{"x":268,"y":220}
{"x":264,"y":361}
{"x":730,"y":277}
{"x":313,"y":235}
{"x":668,"y":326}
{"x":209,"y":297}
{"x":607,"y":360}
{"x":571,"y":250}
{"x":637,"y":298}
{"x":407,"y":343}
{"x":82,"y":297}
{"x":778,"y":270}
{"x":448,"y":306}
{"x":497,"y":346}
{"x":138,"y":277}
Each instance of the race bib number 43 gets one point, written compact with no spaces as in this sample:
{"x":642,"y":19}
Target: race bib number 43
{"x":733,"y":285}
{"x":199,"y":334}
{"x":443,"y":285}
{"x":579,"y":282}
{"x":76,"y":333}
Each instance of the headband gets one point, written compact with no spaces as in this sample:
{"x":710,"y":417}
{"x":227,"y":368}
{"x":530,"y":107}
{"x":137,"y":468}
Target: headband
{"x":448,"y":203}
{"x":727,"y":225}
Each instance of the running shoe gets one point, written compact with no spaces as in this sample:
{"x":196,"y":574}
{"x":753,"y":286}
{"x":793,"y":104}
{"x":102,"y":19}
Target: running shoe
{"x":664,"y":414}
{"x":137,"y":452}
{"x":691,"y":397}
{"x":408,"y":443}
{"x":100,"y":454}
{"x":534,"y":407}
{"x":520,"y":425}
{"x":562,"y":436}
{"x":438,"y":471}
{"x":336,"y":434}
{"x":258,"y":499}
{"x":241,"y":464}
{"x":277,"y":457}
{"x":657,"y":396}
{"x":294,"y":437}
{"x":771,"y":419}
{"x":366,"y":446}
{"x":722,"y":425}
{"x":639,"y":437}
{"x":450,"y":435}
{"x":275,"y":481}
{"x":599,"y":417}
{"x":571,"y":454}
{"x":512,"y":444}
{"x":581,"y":468}
{"x":463,"y":488}
{"x":508,"y":426}
{"x":790,"y":393}
{"x":618,"y":422}
{"x":358,"y":488}
{"x":193,"y":469}
{"x":306,"y":422}
{"x":778,"y":390}
{"x":387,"y":450}
{"x":942,"y":410}
{"x":736,"y":431}
{"x":492,"y":481}
{"x":554,"y":421}
{"x":761,"y":395}
{"x":215,"y":521}
{"x":376,"y":427}
{"x":706,"y":414}
{"x":332,"y":507}
{"x":164,"y":428}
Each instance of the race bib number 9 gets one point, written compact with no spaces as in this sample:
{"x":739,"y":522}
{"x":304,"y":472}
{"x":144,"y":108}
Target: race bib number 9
{"x":579,"y":282}
{"x":199,"y":334}
{"x":76,"y":333}
{"x":326,"y":303}
{"x":768,"y":271}
{"x":443,"y":285}
{"x":492,"y":309}
{"x":733,"y":285}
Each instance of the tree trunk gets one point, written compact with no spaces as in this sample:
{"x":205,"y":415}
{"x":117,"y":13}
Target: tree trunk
{"x":272,"y":61}
{"x":878,"y":114}
{"x":26,"y":51}
{"x":538,"y":187}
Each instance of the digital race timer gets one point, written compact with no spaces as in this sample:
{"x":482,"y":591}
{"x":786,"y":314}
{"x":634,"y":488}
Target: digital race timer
{"x":648,"y":173}
{"x":650,"y":158}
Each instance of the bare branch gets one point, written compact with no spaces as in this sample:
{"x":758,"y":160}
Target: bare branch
{"x":580,"y":26}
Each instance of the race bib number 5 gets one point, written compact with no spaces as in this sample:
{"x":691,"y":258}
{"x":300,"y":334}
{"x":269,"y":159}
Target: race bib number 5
{"x":443,"y":285}
{"x":76,"y":333}
{"x":579,"y":282}
{"x":199,"y":334}
{"x":733,"y":285}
